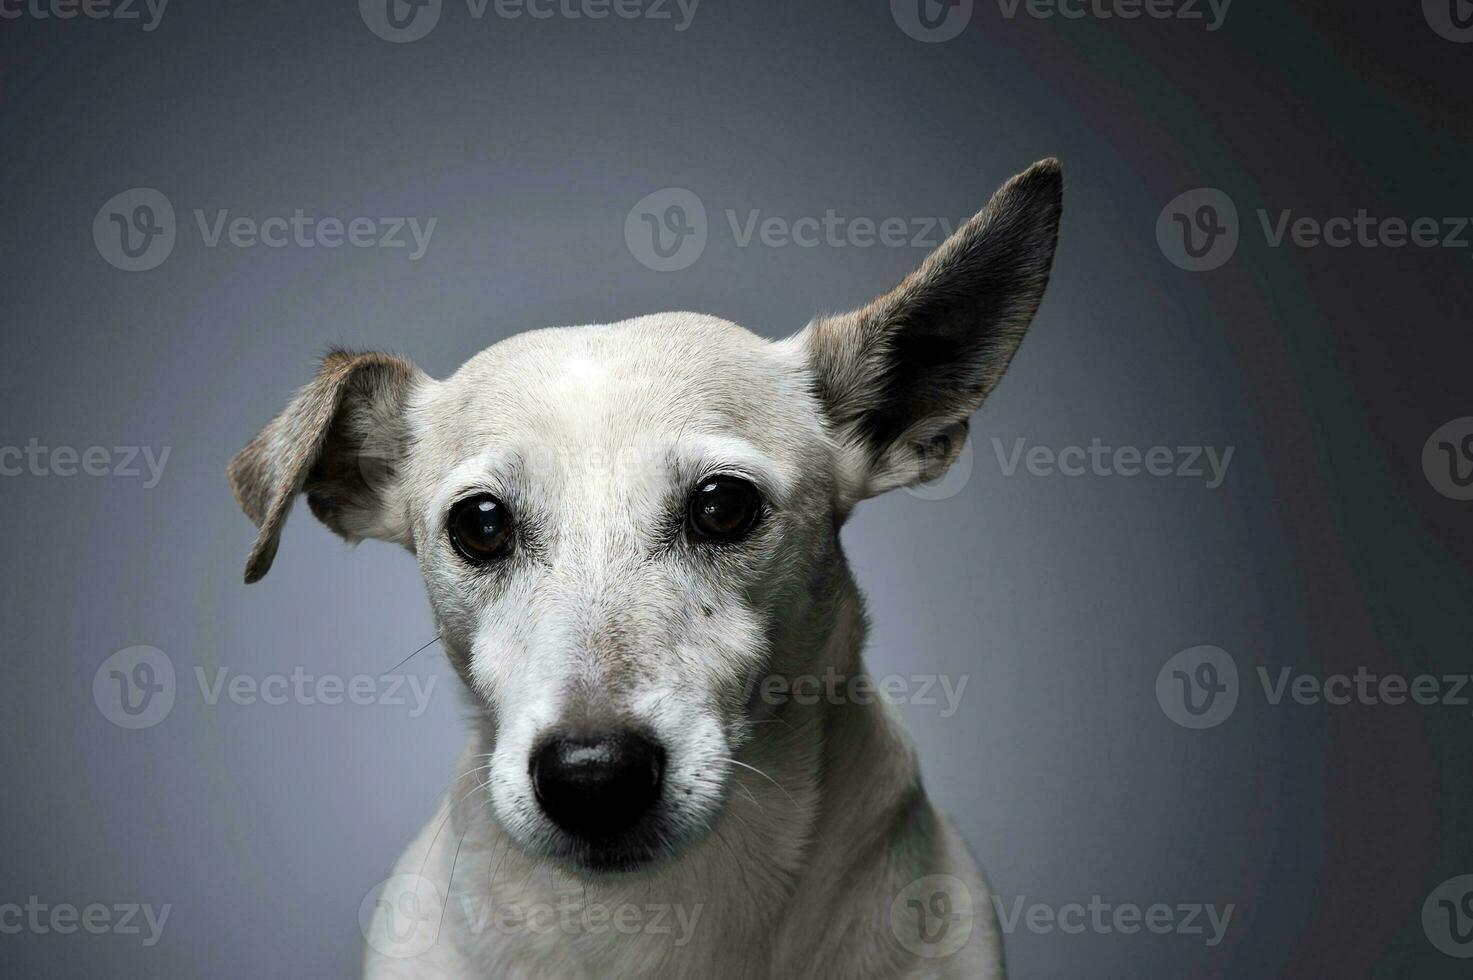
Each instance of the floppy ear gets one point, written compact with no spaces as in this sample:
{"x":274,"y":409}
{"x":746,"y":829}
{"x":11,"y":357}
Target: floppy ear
{"x":342,"y":440}
{"x":900,"y":378}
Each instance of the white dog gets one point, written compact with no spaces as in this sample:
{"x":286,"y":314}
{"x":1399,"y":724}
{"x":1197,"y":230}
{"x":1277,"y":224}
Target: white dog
{"x":630,"y":538}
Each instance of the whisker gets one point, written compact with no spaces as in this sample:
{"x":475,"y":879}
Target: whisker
{"x":743,"y":788}
{"x":495,"y":870}
{"x":449,"y":812}
{"x":741,"y":870}
{"x":472,"y":772}
{"x":450,"y":883}
{"x":766,"y":777}
{"x":413,"y":655}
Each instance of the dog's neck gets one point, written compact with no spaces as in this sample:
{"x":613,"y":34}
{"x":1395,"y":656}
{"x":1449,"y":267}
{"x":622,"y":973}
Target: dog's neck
{"x":818,"y":791}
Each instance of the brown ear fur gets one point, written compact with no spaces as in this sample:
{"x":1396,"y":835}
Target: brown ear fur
{"x":900,"y":377}
{"x":314,"y":443}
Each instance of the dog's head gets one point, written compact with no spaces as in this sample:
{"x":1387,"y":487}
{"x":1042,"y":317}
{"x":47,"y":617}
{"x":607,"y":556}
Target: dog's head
{"x":623,"y":529}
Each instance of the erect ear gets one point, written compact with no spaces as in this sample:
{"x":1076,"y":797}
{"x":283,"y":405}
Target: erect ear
{"x":342,"y":440}
{"x":900,"y":378}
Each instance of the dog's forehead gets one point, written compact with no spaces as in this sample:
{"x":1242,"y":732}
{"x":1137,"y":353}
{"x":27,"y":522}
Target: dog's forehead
{"x":639,"y":383}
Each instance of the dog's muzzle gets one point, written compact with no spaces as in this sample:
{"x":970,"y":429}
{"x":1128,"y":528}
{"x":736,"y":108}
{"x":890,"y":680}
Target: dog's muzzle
{"x":597,"y":786}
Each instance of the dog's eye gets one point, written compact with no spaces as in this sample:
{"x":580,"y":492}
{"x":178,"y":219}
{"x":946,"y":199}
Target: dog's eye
{"x":724,"y":508}
{"x":480,"y":528}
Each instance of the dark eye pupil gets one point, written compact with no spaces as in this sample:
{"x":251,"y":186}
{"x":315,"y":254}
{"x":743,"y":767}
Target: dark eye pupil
{"x":724,"y":508}
{"x":480,"y":528}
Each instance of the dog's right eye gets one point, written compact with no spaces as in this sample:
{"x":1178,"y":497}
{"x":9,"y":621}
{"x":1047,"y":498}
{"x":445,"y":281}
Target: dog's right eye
{"x":724,"y":508}
{"x":480,"y":528}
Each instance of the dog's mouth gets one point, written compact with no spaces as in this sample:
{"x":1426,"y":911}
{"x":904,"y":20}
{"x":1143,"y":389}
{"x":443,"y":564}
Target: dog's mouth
{"x":623,"y":854}
{"x":658,"y":839}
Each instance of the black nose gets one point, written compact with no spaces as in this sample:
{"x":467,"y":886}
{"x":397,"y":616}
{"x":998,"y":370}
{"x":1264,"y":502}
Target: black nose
{"x":597,"y":785}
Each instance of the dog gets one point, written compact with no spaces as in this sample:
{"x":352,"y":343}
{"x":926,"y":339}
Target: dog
{"x":630,"y":538}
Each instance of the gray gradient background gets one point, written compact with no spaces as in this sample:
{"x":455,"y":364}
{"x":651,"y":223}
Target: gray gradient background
{"x":1327,"y":369}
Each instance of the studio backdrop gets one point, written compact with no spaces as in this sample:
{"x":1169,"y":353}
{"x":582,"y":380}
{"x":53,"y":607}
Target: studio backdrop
{"x":1182,"y":639}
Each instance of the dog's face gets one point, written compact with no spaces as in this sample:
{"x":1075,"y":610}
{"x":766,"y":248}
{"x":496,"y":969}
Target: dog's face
{"x":625,"y":529}
{"x":613,"y":523}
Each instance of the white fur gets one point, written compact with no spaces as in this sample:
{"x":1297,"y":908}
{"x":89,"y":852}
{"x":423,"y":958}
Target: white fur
{"x":789,"y":880}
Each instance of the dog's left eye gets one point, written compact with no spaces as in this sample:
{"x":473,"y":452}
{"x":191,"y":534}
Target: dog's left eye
{"x":724,"y":508}
{"x":480,"y":528}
